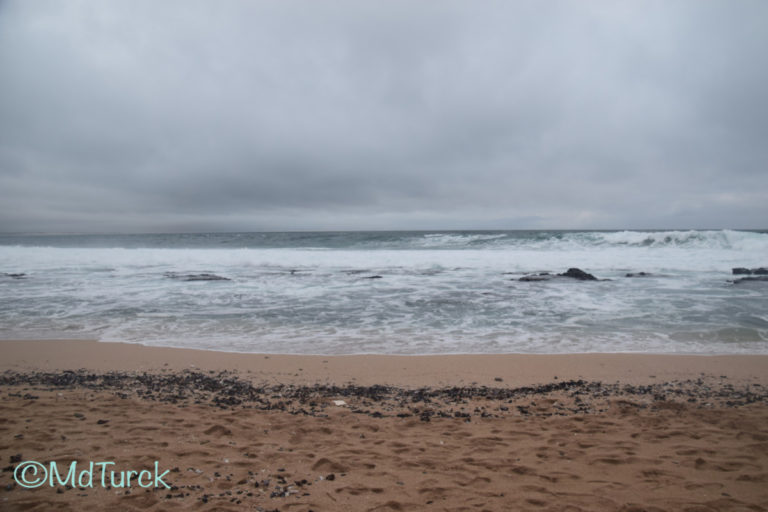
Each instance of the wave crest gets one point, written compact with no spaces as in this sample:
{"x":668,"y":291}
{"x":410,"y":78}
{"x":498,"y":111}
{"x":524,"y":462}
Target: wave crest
{"x":714,"y":239}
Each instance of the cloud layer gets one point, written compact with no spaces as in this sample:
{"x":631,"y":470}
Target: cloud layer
{"x":164,"y":116}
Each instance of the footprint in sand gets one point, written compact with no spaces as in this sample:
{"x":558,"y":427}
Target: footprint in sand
{"x":325,"y":465}
{"x":218,"y":431}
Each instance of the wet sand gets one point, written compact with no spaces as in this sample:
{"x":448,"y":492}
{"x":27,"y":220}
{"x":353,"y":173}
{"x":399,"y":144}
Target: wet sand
{"x":299,"y":433}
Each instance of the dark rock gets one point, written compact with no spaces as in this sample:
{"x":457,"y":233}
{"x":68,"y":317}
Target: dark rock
{"x":762,"y":271}
{"x":541,"y":276}
{"x":638,"y":274}
{"x":576,"y":273}
{"x":205,"y":276}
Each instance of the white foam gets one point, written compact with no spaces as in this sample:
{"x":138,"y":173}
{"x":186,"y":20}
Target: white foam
{"x":428,"y":301}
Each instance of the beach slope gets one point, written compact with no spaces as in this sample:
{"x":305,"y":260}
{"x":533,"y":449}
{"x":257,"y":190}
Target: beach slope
{"x":299,"y":433}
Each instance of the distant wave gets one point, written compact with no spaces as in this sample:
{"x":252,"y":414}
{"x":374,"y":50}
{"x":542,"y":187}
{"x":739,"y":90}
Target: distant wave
{"x":569,"y":240}
{"x":437,"y":241}
{"x":720,"y":239}
{"x":550,"y":240}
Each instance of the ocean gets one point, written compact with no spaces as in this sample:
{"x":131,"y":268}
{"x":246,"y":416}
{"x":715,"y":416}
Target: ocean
{"x":439,"y":292}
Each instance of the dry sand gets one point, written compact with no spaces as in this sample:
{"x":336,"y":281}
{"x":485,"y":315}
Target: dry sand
{"x":508,"y":432}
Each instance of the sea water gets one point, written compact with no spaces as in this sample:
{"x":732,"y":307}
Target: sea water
{"x":391,"y":292}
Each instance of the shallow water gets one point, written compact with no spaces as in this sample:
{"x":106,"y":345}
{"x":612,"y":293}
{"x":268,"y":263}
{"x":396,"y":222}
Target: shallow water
{"x":439,"y":292}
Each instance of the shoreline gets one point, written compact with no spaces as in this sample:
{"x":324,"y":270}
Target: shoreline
{"x":395,"y":370}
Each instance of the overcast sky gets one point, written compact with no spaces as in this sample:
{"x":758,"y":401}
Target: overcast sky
{"x":147,"y":116}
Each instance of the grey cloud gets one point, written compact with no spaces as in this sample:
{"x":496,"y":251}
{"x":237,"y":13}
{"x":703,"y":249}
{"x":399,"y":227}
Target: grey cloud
{"x":153,"y":116}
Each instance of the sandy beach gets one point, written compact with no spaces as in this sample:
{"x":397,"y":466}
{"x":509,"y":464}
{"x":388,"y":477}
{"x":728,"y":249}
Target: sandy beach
{"x":299,"y":433}
{"x":384,"y":256}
